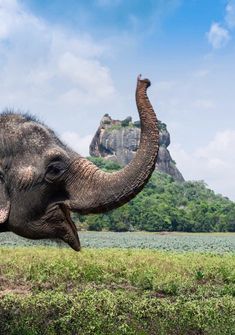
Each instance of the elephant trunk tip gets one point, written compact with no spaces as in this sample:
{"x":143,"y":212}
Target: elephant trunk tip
{"x":146,"y":81}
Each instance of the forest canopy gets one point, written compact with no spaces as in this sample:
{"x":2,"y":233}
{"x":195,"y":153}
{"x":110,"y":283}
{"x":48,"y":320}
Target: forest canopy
{"x":166,"y":205}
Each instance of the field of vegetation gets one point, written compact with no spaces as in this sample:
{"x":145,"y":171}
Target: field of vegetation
{"x":114,"y":291}
{"x":180,"y":242}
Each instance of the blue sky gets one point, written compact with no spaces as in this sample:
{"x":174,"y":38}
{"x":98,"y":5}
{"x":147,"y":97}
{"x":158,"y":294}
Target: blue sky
{"x":69,"y":62}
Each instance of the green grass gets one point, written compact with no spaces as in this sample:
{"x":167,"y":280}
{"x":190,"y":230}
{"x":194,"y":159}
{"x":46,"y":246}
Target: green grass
{"x":115,"y":291}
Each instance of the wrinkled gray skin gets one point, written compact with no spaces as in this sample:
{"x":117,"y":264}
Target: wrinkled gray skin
{"x":42,"y":180}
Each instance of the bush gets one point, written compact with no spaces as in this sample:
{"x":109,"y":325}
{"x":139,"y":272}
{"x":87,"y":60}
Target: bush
{"x":101,"y":312}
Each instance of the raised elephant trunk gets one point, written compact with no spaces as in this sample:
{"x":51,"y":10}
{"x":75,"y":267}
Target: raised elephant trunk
{"x":91,"y":190}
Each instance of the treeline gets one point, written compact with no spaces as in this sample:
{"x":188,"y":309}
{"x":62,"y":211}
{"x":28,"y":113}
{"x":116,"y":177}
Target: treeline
{"x":166,"y":205}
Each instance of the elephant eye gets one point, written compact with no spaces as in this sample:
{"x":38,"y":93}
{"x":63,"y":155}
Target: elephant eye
{"x":54,"y":171}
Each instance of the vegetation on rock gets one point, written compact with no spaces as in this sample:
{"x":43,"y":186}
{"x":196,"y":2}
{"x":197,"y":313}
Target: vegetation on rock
{"x":119,"y":140}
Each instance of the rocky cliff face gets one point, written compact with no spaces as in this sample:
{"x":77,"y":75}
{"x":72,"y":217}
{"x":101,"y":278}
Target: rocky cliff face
{"x":119,"y":140}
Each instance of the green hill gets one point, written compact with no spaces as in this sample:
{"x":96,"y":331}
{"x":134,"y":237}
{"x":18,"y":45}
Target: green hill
{"x":166,"y":205}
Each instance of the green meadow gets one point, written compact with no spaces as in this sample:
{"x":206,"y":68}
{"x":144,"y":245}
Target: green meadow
{"x":104,"y":291}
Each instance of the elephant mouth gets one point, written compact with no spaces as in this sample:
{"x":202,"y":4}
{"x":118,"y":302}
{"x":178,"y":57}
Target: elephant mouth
{"x":70,"y":234}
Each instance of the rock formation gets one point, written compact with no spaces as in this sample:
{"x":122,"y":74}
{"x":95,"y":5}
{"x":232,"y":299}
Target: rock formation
{"x":118,"y":141}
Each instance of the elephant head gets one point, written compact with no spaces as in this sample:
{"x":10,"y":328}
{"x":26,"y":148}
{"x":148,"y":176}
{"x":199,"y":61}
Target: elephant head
{"x":42,"y":180}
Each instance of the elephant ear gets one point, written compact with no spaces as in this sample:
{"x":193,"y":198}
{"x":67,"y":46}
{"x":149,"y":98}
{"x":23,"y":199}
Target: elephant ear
{"x":4,"y":201}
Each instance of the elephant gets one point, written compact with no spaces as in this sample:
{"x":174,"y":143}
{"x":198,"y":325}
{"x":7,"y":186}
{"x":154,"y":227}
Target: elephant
{"x":42,"y":180}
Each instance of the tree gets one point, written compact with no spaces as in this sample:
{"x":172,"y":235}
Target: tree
{"x":165,"y":204}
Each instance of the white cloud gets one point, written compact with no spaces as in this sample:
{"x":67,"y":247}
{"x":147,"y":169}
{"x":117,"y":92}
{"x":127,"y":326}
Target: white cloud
{"x":165,"y":86}
{"x":201,"y":73}
{"x":77,"y":143}
{"x":13,"y":17}
{"x":189,"y":94}
{"x":214,"y":163}
{"x":230,"y":14}
{"x":204,"y":104}
{"x":218,"y":36}
{"x":49,"y":71}
{"x":87,"y":74}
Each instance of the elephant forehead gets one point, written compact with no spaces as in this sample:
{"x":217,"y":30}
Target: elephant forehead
{"x":27,"y":171}
{"x":26,"y":174}
{"x":34,"y":134}
{"x":23,"y":139}
{"x":29,"y":139}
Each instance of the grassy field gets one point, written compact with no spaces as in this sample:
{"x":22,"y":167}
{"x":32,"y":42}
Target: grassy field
{"x":115,"y":292}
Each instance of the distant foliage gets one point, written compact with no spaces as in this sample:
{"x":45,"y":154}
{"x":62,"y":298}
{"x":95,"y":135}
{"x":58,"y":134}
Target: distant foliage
{"x":162,"y":126}
{"x":104,"y":164}
{"x":126,"y":122}
{"x":167,"y":205}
